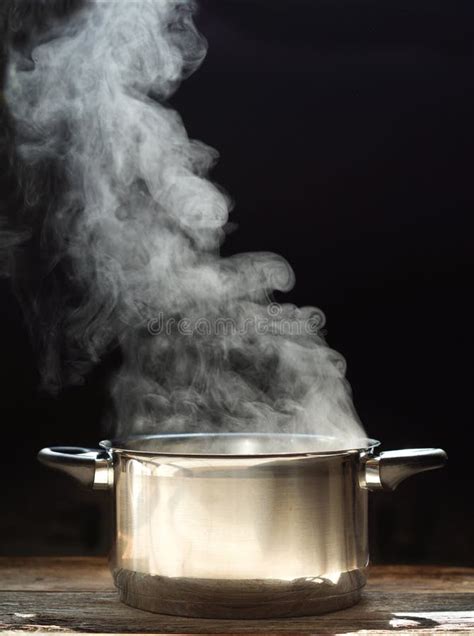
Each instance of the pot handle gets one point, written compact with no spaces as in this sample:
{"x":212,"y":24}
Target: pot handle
{"x":386,"y":470}
{"x":92,"y":468}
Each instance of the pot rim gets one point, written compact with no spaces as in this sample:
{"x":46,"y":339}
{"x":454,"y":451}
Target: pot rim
{"x":120,"y":446}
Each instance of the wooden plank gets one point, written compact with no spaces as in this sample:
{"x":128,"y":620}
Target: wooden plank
{"x":77,"y":595}
{"x":75,"y":574}
{"x":100,"y":612}
{"x":91,"y":573}
{"x":426,"y":578}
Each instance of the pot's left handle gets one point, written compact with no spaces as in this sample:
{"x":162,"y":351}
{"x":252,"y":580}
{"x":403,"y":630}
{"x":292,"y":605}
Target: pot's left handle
{"x":92,"y":468}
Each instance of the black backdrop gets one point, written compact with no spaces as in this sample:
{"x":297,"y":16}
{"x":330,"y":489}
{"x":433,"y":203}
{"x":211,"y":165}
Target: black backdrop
{"x":346,"y":134}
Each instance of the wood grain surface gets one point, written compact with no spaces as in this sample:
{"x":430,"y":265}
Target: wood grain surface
{"x":77,"y":595}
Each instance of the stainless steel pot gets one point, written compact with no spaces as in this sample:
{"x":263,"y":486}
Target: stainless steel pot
{"x":219,"y":526}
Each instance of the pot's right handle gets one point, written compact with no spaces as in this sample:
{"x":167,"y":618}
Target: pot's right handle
{"x":91,"y":468}
{"x":386,"y":470}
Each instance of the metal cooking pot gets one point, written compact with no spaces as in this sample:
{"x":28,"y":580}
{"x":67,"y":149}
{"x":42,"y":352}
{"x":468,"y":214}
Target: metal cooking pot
{"x":240,"y":525}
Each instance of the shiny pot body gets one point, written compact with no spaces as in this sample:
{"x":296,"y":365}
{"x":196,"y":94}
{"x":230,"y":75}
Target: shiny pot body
{"x":239,"y":535}
{"x":259,"y":536}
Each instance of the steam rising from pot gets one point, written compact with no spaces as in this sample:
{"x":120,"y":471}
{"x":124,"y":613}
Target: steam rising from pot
{"x":137,"y":231}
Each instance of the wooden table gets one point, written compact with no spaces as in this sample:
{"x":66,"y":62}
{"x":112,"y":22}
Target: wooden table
{"x":76,"y":595}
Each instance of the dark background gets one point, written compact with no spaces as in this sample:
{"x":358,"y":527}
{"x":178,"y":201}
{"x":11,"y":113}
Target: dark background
{"x":347,"y":137}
